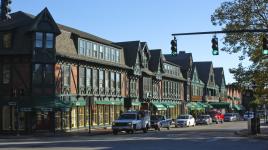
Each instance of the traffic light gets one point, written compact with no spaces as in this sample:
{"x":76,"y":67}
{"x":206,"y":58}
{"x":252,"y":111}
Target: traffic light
{"x":5,"y":9}
{"x":174,"y":46}
{"x":264,"y":46}
{"x":215,"y":48}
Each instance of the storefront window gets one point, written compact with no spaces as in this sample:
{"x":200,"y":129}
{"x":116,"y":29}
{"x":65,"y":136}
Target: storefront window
{"x":58,"y":120}
{"x":81,"y":115}
{"x":100,"y":114}
{"x":106,"y":114}
{"x":66,"y":120}
{"x":74,"y":117}
{"x":94,"y":115}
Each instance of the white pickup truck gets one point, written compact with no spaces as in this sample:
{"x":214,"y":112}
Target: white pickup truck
{"x":132,"y":121}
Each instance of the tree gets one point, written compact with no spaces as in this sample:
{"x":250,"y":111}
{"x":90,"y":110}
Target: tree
{"x":245,"y":14}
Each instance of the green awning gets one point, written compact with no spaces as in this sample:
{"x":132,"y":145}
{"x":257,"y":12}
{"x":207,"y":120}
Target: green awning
{"x":238,"y":107}
{"x":237,"y":98}
{"x":109,"y":102}
{"x":220,"y":105}
{"x":169,"y":105}
{"x":159,"y":106}
{"x":135,"y":103}
{"x":80,"y":102}
{"x":194,"y":106}
{"x":205,"y":105}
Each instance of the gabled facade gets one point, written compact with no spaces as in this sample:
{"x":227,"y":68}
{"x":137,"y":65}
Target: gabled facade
{"x":197,"y":86}
{"x":206,"y":74}
{"x":55,"y":76}
{"x":220,"y":82}
{"x":168,"y":85}
{"x":185,"y":61}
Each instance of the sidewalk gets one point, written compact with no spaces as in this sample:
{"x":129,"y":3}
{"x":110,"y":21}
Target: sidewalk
{"x":84,"y":132}
{"x":262,"y":135}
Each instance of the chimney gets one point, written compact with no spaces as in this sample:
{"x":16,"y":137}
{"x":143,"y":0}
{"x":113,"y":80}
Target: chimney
{"x":5,"y":9}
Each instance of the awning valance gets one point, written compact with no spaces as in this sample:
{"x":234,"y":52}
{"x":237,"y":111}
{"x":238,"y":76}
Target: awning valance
{"x":159,"y":106}
{"x":220,"y":105}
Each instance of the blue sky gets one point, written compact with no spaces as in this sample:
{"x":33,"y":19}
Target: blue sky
{"x":152,"y":21}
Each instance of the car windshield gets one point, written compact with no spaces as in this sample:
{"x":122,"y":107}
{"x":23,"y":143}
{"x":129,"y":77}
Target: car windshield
{"x":228,"y":114}
{"x":249,"y":113}
{"x":127,"y":116}
{"x":157,"y":117}
{"x":203,"y":117}
{"x":183,"y":117}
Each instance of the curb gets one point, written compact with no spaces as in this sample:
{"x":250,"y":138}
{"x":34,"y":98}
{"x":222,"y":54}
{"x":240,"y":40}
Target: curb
{"x":258,"y":136}
{"x":51,"y":135}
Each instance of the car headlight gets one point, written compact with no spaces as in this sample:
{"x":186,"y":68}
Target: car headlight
{"x":130,"y":124}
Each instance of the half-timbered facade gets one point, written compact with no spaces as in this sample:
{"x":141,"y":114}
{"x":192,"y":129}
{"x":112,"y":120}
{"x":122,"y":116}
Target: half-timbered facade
{"x":206,"y":74}
{"x":57,"y":77}
{"x":197,"y":86}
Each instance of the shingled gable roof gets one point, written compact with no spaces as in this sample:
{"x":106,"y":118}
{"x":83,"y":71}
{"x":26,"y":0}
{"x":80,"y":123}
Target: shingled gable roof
{"x":21,"y":20}
{"x":155,"y":60}
{"x":44,"y":15}
{"x":131,"y":50}
{"x":182,"y":59}
{"x":203,"y":69}
{"x":219,"y":75}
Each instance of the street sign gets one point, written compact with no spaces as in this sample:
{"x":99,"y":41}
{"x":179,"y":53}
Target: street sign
{"x":46,"y":109}
{"x":12,"y":103}
{"x":25,"y":109}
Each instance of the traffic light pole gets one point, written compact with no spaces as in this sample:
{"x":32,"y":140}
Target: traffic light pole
{"x":224,"y":31}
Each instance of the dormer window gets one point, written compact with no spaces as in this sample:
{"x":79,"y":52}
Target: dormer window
{"x":44,"y":40}
{"x":49,"y":40}
{"x":38,"y":39}
{"x":7,"y":37}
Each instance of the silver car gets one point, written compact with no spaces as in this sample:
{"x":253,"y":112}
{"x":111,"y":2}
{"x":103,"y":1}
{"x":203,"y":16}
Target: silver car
{"x":230,"y":117}
{"x":204,"y":119}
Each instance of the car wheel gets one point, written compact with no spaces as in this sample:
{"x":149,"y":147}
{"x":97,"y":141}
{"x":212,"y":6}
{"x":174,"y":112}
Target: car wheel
{"x":115,"y":132}
{"x":132,"y":132}
{"x":144,"y":130}
{"x":168,"y":127}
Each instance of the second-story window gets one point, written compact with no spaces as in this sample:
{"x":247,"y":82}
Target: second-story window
{"x":95,"y":79}
{"x":6,"y":74}
{"x":7,"y":40}
{"x":37,"y":74}
{"x":66,"y":75}
{"x":101,"y":81}
{"x":88,"y":78}
{"x":49,"y":40}
{"x":112,"y":78}
{"x":107,"y":80}
{"x":38,"y":39}
{"x":82,"y":77}
{"x":118,"y":82}
{"x":48,"y":74}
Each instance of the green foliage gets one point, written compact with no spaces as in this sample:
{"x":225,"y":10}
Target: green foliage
{"x":238,"y":15}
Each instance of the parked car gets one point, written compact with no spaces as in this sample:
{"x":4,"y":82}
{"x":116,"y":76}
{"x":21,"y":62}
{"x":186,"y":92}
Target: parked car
{"x":132,"y":121}
{"x":204,"y":119}
{"x":230,"y":117}
{"x":160,"y":121}
{"x":185,"y":121}
{"x":217,"y":117}
{"x":248,"y":115}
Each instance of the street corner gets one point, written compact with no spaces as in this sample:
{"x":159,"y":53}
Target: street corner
{"x":242,"y":133}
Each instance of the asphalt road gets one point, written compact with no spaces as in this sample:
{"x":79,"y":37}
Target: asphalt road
{"x":212,"y":137}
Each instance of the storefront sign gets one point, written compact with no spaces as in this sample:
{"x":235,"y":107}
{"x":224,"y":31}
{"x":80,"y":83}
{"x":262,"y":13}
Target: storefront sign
{"x":26,"y":109}
{"x":46,"y":109}
{"x":12,"y":103}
